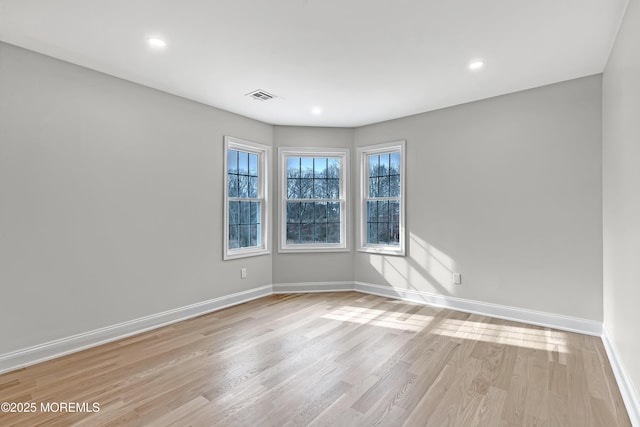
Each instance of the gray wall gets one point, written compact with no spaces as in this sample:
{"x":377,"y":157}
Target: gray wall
{"x":310,"y":267}
{"x":621,"y":193}
{"x":506,"y":191}
{"x":110,"y":200}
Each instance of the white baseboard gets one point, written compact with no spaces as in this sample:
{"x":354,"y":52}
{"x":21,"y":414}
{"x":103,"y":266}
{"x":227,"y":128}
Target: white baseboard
{"x":627,"y":390}
{"x":312,"y":287}
{"x":540,"y":318}
{"x":52,"y":349}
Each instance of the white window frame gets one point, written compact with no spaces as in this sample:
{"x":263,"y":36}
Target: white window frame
{"x":363,"y":197}
{"x":264,"y":180}
{"x":343,"y":153}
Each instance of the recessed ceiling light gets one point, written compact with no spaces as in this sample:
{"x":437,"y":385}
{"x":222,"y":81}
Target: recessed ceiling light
{"x":316,"y":110}
{"x":156,"y":42}
{"x":476,"y":65}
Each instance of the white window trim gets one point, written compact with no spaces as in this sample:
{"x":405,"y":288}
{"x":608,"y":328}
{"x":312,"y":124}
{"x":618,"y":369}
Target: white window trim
{"x":363,"y":191}
{"x":264,"y":184}
{"x":344,"y":200}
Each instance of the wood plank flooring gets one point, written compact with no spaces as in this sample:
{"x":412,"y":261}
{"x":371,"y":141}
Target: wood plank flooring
{"x":332,"y":359}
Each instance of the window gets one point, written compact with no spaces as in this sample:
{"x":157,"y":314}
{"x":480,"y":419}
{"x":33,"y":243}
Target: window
{"x":381,"y":207}
{"x":313,"y":194}
{"x":246,"y":204}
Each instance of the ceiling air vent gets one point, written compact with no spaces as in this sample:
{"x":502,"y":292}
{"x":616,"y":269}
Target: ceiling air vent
{"x":260,"y":95}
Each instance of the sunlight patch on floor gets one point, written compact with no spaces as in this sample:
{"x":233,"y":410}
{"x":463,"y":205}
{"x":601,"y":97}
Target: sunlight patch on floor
{"x":519,"y":336}
{"x":383,"y":318}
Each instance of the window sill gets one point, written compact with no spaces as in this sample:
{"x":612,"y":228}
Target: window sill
{"x":245,"y":253}
{"x":382,"y":250}
{"x":311,"y":249}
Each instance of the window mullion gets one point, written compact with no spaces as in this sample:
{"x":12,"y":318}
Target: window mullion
{"x":245,"y":199}
{"x":315,"y":200}
{"x":382,"y":199}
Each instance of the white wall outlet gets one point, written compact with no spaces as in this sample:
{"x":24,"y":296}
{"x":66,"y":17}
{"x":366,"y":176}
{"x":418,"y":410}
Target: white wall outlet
{"x":456,"y":278}
{"x":243,"y":273}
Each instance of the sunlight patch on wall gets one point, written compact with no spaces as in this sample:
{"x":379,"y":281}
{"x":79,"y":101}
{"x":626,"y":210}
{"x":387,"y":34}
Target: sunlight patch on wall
{"x":437,"y":264}
{"x":425,"y":268}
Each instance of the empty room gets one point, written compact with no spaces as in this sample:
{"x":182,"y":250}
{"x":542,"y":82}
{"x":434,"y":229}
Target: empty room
{"x":320,"y":213}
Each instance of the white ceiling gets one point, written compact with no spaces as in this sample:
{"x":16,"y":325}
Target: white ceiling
{"x":361,"y":61}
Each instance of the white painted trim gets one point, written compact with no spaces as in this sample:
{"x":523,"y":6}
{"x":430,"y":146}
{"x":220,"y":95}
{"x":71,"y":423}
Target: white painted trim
{"x":540,"y":318}
{"x":627,"y":390}
{"x":264,"y":188}
{"x":344,"y":200}
{"x":60,"y":347}
{"x":72,"y":344}
{"x":363,"y":192}
{"x":312,"y":287}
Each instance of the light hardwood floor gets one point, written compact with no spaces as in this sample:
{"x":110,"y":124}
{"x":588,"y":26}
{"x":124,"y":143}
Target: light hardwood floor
{"x":333,"y":359}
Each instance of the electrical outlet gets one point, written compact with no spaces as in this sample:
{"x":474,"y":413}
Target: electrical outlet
{"x":456,"y":278}
{"x":243,"y":273}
